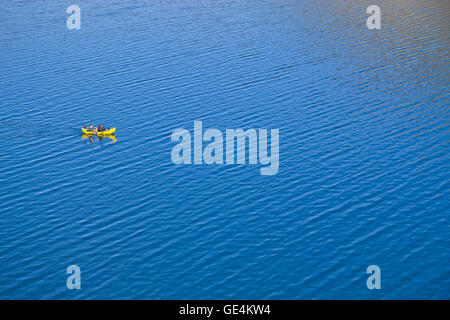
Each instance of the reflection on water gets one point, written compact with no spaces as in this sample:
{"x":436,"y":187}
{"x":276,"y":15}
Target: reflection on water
{"x":93,"y":138}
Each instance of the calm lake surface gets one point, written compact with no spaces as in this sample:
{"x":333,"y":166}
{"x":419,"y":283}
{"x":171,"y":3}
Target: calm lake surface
{"x":364,"y":150}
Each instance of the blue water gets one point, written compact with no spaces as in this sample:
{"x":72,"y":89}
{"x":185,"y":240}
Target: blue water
{"x":364,"y":150}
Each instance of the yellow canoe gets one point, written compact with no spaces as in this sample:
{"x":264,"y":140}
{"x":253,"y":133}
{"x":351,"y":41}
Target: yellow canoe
{"x":100,"y":134}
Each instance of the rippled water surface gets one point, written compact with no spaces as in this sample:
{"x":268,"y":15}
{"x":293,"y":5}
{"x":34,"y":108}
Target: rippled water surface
{"x":364,"y":150}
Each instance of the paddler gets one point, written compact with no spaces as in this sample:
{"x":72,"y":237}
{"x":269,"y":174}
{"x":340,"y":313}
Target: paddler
{"x":100,"y":128}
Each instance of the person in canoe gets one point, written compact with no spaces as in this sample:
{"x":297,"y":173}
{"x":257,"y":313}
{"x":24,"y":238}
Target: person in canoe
{"x":100,"y":128}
